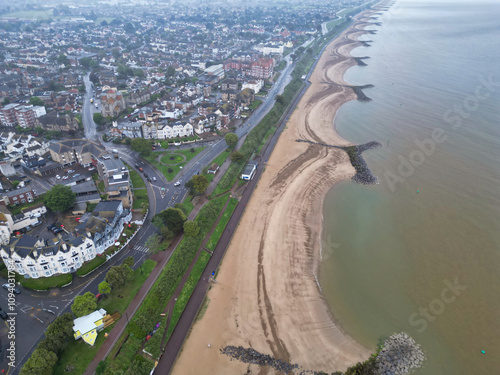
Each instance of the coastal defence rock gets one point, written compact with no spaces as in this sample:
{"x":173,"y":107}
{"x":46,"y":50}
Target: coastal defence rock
{"x":363,"y":174}
{"x":400,"y":355}
{"x":358,"y":90}
{"x":359,"y":60}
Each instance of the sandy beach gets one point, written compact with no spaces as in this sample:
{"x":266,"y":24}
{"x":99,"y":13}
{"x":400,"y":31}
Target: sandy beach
{"x":267,"y":296}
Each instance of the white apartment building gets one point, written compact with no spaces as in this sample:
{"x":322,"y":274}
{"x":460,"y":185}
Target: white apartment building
{"x":37,"y":257}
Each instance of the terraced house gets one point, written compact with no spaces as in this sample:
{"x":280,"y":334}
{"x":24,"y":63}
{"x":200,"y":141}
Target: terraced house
{"x":37,"y":257}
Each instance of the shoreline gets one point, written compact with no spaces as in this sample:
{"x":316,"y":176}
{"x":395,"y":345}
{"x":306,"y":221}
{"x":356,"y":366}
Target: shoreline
{"x":268,"y":296}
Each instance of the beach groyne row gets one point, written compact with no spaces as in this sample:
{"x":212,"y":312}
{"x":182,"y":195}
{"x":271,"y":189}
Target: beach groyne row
{"x":360,"y":95}
{"x":366,"y":43}
{"x":359,"y":60}
{"x":363,"y":174}
{"x":253,"y":357}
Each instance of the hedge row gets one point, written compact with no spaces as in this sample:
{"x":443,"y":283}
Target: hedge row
{"x":156,"y":301}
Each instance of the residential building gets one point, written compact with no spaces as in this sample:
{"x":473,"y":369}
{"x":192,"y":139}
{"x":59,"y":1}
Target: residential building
{"x":262,"y":68}
{"x":37,"y":257}
{"x":116,"y":180}
{"x":26,"y":115}
{"x":81,"y":151}
{"x":215,"y":70}
{"x":166,"y":130}
{"x":18,"y":196}
{"x":255,"y":85}
{"x":105,"y":224}
{"x":8,"y":115}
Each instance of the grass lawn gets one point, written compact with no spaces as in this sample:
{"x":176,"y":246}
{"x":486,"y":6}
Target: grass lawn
{"x":31,"y":14}
{"x":78,"y":354}
{"x":188,"y":204}
{"x":140,"y":197}
{"x":220,"y":159}
{"x":174,"y":168}
{"x":46,"y":283}
{"x":217,"y":233}
{"x":172,"y":159}
{"x":187,"y":290}
{"x":101,"y":186}
{"x":188,"y":154}
{"x":137,"y":181}
{"x":90,"y":266}
{"x":114,"y":303}
{"x":255,"y":104}
{"x":269,"y":133}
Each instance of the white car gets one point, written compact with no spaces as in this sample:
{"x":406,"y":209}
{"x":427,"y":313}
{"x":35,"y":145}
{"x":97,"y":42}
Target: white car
{"x":58,"y":177}
{"x":177,"y":184}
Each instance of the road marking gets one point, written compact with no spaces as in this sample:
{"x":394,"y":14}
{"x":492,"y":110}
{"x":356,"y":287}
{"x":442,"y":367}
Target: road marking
{"x":141,"y":249}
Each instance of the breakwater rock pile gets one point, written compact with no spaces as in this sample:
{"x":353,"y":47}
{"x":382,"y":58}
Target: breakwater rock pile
{"x":358,"y":90}
{"x":399,"y":356}
{"x":363,"y":174}
{"x":359,"y":60}
{"x":251,"y":356}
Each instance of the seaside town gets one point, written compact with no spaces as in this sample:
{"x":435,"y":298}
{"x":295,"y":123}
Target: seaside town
{"x":132,"y":137}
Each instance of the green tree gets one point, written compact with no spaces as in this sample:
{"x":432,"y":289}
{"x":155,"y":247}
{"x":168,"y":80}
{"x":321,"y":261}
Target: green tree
{"x":141,"y":145}
{"x":170,"y":71}
{"x":231,"y":139}
{"x":63,"y":60}
{"x":98,"y":119}
{"x":60,"y":198}
{"x":237,"y":157}
{"x":129,"y":261}
{"x":173,"y":218}
{"x":104,"y":288}
{"x":41,"y":362}
{"x":118,"y":276}
{"x":191,"y":229}
{"x":84,"y":305}
{"x":280,"y":99}
{"x":35,"y":100}
{"x":58,"y":333}
{"x":141,"y":366}
{"x":154,"y":243}
{"x":199,"y":184}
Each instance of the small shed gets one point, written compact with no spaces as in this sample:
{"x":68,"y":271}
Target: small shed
{"x":79,"y":208}
{"x":213,"y":168}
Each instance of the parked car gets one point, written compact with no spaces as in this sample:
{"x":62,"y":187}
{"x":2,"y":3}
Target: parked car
{"x":3,"y":314}
{"x":145,"y":175}
{"x":58,"y":177}
{"x":77,"y":175}
{"x":51,"y":226}
{"x":154,"y":179}
{"x":65,"y":177}
{"x":16,"y":290}
{"x":149,"y":180}
{"x":137,"y":165}
{"x":142,"y":170}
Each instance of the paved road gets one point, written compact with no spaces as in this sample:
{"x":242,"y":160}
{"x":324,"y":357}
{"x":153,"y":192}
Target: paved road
{"x":89,"y":126}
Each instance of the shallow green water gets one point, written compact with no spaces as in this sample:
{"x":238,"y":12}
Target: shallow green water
{"x":393,"y":249}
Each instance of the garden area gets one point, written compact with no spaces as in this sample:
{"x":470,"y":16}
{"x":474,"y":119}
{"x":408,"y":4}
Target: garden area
{"x":169,"y":163}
